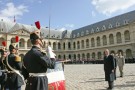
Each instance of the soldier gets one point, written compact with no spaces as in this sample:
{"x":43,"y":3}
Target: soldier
{"x":3,"y":74}
{"x":36,"y":64}
{"x":14,"y":66}
{"x":121,"y":63}
{"x":109,"y":67}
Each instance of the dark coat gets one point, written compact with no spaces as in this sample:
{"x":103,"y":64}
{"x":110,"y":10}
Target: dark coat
{"x":109,"y":65}
{"x":37,"y":62}
{"x":14,"y":80}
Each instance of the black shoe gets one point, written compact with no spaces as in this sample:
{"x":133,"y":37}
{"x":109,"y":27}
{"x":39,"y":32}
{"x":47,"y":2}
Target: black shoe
{"x":109,"y":88}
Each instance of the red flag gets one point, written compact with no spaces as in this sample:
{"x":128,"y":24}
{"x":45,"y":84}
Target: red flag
{"x":17,"y":38}
{"x":4,"y":43}
{"x":37,"y":23}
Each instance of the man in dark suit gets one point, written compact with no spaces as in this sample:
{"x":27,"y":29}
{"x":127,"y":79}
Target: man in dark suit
{"x":109,"y":67}
{"x":14,"y":67}
{"x":36,"y":64}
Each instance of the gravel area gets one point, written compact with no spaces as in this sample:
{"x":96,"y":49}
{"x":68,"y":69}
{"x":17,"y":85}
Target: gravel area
{"x":91,"y":77}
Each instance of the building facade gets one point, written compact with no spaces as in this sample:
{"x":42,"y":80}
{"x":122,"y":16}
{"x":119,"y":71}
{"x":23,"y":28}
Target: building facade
{"x":86,"y":43}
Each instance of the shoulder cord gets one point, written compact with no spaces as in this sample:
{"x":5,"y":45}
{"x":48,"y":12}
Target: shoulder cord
{"x":14,"y":70}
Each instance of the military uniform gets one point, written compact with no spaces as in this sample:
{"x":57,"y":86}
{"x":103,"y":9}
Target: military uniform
{"x":109,"y":65}
{"x":13,"y":63}
{"x":3,"y":74}
{"x":121,"y":63}
{"x":36,"y":64}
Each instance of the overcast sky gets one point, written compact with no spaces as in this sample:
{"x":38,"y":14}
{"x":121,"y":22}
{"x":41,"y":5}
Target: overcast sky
{"x":64,"y":14}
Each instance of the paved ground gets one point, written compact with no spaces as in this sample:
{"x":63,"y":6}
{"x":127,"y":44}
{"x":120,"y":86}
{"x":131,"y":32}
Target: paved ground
{"x":91,"y":77}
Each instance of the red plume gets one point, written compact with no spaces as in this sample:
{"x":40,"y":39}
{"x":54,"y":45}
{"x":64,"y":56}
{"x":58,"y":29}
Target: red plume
{"x":17,"y":38}
{"x":37,"y":23}
{"x":4,"y":43}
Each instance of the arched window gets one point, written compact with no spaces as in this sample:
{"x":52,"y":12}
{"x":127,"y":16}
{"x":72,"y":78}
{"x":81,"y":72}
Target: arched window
{"x":69,"y":56}
{"x":21,"y":43}
{"x":104,"y":40}
{"x":83,"y":56}
{"x":54,"y":45}
{"x":98,"y":41}
{"x":75,"y":56}
{"x":64,"y":46}
{"x":78,"y":45}
{"x":92,"y":42}
{"x":118,"y":37}
{"x":59,"y":56}
{"x":82,"y":44}
{"x":93,"y":55}
{"x":87,"y":43}
{"x":99,"y":55}
{"x":129,"y":53}
{"x":74,"y":45}
{"x":88,"y":55}
{"x":59,"y":45}
{"x":69,"y":45}
{"x":29,"y":44}
{"x":127,"y":36}
{"x":111,"y":39}
{"x":79,"y":56}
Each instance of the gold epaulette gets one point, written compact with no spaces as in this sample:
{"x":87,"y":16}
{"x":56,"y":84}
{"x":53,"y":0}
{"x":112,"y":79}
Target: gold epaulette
{"x":17,"y":58}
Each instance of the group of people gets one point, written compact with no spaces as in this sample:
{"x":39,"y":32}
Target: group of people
{"x":14,"y":72}
{"x":111,"y":62}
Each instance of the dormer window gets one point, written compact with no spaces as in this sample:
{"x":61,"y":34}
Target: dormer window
{"x":78,"y":34}
{"x":87,"y":32}
{"x":58,"y":36}
{"x":82,"y":33}
{"x":92,"y":31}
{"x":103,"y":28}
{"x":97,"y":29}
{"x":110,"y":26}
{"x":117,"y":24}
{"x":22,"y":31}
{"x":125,"y":22}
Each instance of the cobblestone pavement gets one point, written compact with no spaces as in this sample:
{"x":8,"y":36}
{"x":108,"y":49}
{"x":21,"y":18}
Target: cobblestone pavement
{"x":91,"y":77}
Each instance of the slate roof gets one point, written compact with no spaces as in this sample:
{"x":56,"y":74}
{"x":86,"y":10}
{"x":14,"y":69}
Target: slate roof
{"x":117,"y":21}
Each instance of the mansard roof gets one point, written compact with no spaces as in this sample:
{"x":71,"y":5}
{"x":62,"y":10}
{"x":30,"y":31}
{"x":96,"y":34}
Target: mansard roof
{"x":117,"y":21}
{"x":128,"y":17}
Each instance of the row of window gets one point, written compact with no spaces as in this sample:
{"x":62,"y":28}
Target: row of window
{"x":93,"y":55}
{"x":97,"y":29}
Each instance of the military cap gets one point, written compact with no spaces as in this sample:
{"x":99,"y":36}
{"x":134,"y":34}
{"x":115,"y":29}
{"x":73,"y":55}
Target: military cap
{"x":14,"y":45}
{"x":35,"y":35}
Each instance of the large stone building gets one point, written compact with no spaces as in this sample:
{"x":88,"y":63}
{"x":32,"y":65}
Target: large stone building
{"x":89,"y":42}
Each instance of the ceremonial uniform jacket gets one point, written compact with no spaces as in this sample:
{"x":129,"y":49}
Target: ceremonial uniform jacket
{"x":14,"y":80}
{"x":37,"y":62}
{"x":109,"y":65}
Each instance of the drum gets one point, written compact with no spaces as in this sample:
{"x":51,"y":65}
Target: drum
{"x":56,"y":78}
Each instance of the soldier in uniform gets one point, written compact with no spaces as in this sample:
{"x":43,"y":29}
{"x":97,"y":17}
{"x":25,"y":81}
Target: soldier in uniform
{"x":36,"y":64}
{"x":109,"y":67}
{"x":14,"y":66}
{"x":3,"y":75}
{"x":121,"y":63}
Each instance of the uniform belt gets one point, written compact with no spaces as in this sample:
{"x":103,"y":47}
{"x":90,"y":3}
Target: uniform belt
{"x":37,"y":74}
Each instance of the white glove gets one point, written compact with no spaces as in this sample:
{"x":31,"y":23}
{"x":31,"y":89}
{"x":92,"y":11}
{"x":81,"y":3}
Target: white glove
{"x":50,"y":52}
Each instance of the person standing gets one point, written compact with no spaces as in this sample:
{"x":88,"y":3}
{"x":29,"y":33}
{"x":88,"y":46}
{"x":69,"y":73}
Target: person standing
{"x":115,"y":60}
{"x":109,"y":67}
{"x":121,"y":63}
{"x":14,"y":67}
{"x":36,"y":63}
{"x":3,"y":74}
